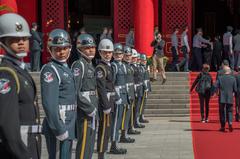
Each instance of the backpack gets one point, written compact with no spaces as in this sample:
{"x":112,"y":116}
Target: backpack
{"x":204,"y":83}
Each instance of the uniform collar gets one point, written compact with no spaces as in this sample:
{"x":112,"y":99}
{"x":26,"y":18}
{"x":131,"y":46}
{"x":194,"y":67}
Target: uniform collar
{"x":60,"y":63}
{"x":19,"y":63}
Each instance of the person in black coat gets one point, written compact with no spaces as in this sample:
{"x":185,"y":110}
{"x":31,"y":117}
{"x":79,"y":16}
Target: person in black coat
{"x":203,"y":93}
{"x":227,"y":85}
{"x":36,"y":47}
{"x":217,"y":53}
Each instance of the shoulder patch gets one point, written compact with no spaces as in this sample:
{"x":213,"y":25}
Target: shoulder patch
{"x":76,"y":71}
{"x":100,"y":74}
{"x":4,"y":86}
{"x":48,"y":77}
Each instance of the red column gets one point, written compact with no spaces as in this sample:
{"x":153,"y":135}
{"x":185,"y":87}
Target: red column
{"x":143,"y":25}
{"x":8,"y":6}
{"x":156,"y":12}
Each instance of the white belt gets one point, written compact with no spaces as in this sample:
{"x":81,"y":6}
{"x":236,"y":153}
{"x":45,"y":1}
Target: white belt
{"x":120,"y":87}
{"x":68,"y":107}
{"x":30,"y":129}
{"x":130,"y":84}
{"x":89,"y":93}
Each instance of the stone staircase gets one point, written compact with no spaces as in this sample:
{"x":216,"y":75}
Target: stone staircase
{"x":170,"y":99}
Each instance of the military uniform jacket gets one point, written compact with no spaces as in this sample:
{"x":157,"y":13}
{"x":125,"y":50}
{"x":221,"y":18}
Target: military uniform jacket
{"x":147,"y":79}
{"x":138,"y":80}
{"x":143,"y":80}
{"x":16,"y":107}
{"x":86,"y":85}
{"x":105,"y":86}
{"x":130,"y":81}
{"x":120,"y":73}
{"x":58,"y":99}
{"x":227,"y":86}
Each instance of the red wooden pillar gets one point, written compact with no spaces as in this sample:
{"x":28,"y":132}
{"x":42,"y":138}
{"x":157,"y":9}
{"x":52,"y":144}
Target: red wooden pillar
{"x":143,"y":25}
{"x":156,"y":12}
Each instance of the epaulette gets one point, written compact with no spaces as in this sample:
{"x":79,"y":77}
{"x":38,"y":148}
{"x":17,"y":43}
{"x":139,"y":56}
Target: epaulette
{"x":14,"y":74}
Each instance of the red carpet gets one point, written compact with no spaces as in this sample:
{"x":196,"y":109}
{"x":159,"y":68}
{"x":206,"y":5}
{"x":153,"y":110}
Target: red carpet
{"x":208,"y":142}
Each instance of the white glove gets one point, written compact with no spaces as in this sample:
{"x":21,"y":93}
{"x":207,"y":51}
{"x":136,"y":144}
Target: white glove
{"x":118,"y":102}
{"x":146,"y":94}
{"x":107,"y":111}
{"x":63,"y":136}
{"x":93,"y":113}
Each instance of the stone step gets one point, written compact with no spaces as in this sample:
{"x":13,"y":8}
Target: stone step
{"x":170,"y":83}
{"x":166,"y":111}
{"x":168,"y":101}
{"x":167,"y":115}
{"x":170,"y":91}
{"x":167,"y":106}
{"x":173,"y":74}
{"x":168,"y":96}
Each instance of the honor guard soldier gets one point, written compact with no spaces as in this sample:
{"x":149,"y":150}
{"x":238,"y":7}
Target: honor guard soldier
{"x":106,"y":92}
{"x":131,"y":95}
{"x":58,"y":96}
{"x":140,"y":91}
{"x":19,"y":115}
{"x":87,"y":99}
{"x":147,"y":88}
{"x":134,"y":66}
{"x":121,"y":97}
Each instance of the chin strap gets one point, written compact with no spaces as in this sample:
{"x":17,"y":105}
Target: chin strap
{"x":9,"y":51}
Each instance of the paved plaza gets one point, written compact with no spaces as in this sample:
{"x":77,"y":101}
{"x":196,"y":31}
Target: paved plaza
{"x":163,"y":138}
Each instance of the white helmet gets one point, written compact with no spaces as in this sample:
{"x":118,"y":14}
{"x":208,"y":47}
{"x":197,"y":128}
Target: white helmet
{"x":134,"y":53}
{"x":106,"y":45}
{"x":13,"y":25}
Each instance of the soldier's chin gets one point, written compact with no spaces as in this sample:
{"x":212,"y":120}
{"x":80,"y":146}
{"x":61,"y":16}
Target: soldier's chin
{"x":21,"y":54}
{"x":90,"y":57}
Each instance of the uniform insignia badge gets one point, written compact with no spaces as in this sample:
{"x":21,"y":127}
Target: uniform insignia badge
{"x":19,"y":27}
{"x":65,"y":74}
{"x":48,"y":77}
{"x":99,"y":74}
{"x":76,"y":72}
{"x":4,"y":86}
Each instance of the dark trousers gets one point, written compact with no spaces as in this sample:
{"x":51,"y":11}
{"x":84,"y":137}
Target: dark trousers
{"x":142,"y":106}
{"x":185,"y":61}
{"x":175,"y":58}
{"x":55,"y":147}
{"x":197,"y":59}
{"x":86,"y":138}
{"x":35,"y":60}
{"x":237,"y":103}
{"x":104,"y":131}
{"x":131,"y":121}
{"x":126,"y":117}
{"x":237,"y":59}
{"x":226,"y":111}
{"x":204,"y":103}
{"x":116,"y":122}
{"x":228,"y":56}
{"x":137,"y":109}
{"x":216,"y":60}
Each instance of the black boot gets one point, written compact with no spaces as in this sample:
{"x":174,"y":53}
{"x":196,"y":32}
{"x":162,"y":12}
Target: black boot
{"x":139,"y":126}
{"x":124,"y":139}
{"x":117,"y":151}
{"x":142,"y":120}
{"x":133,"y":132}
